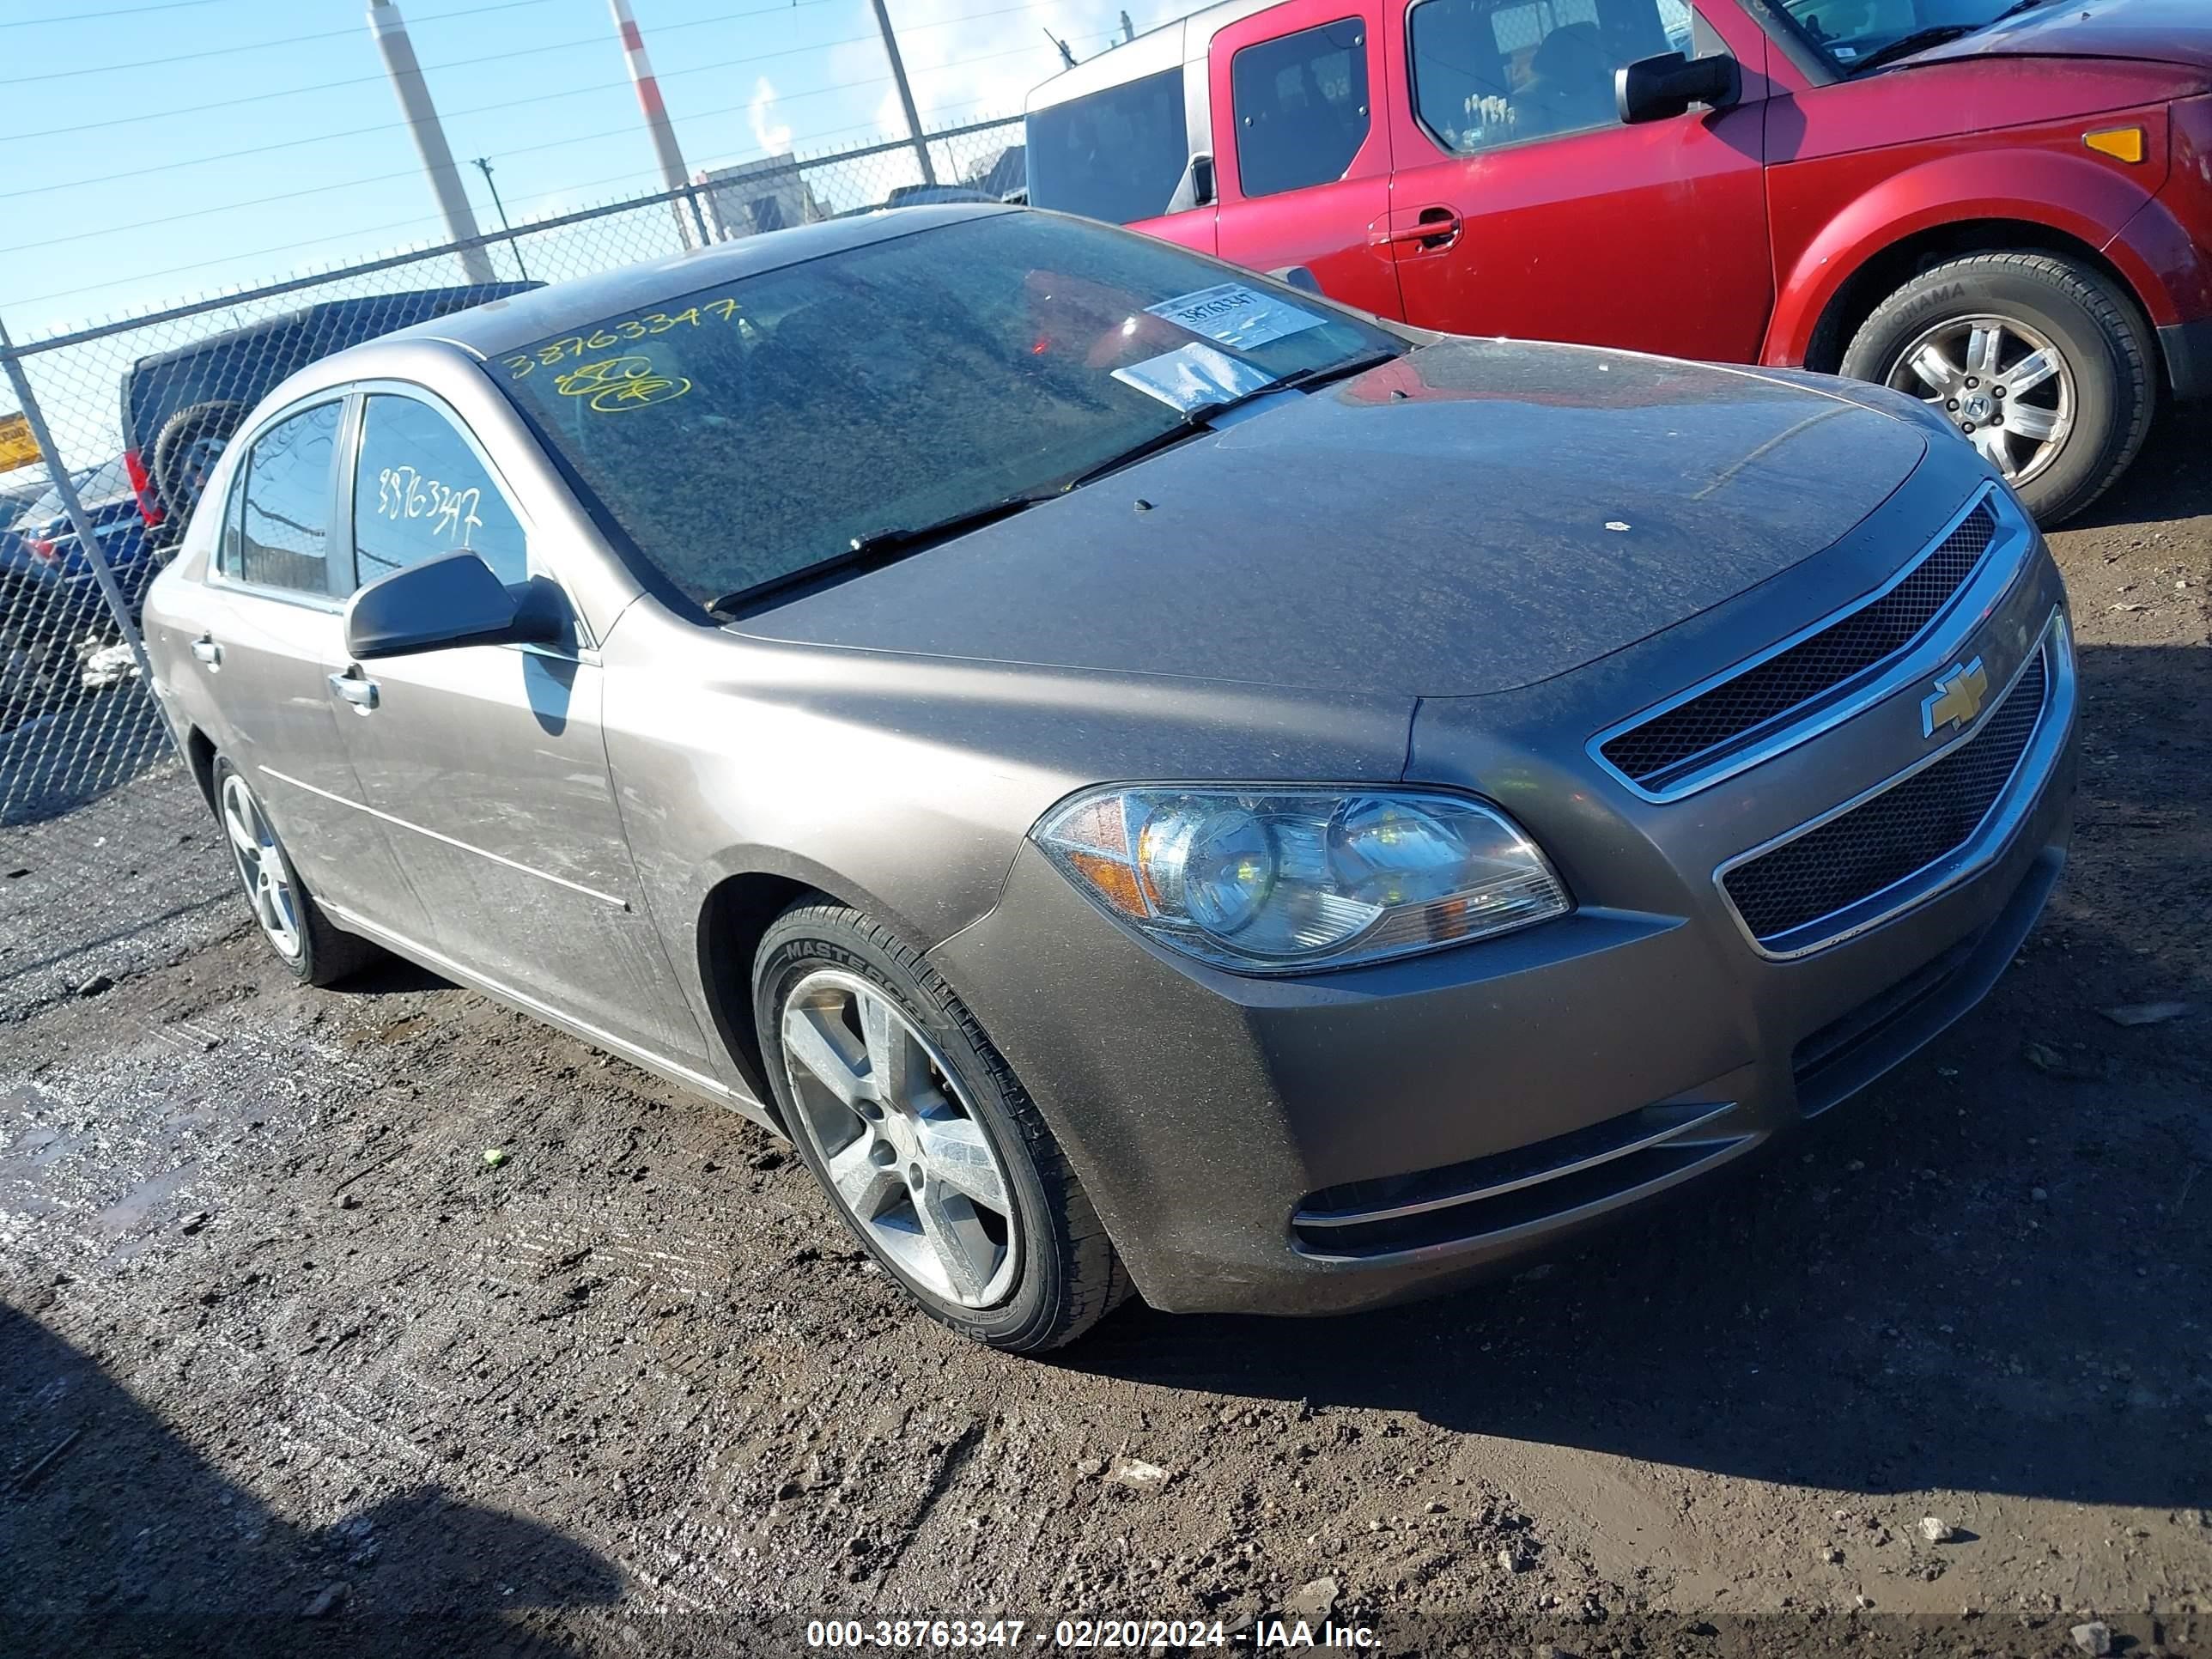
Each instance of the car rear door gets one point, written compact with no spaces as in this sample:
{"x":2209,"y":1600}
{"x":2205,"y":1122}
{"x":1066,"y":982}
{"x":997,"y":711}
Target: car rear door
{"x":1521,"y":205}
{"x":1302,"y":153}
{"x":265,"y":627}
{"x":487,"y":763}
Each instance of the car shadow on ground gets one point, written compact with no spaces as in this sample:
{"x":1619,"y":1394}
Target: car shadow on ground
{"x":120,"y":1538}
{"x":1950,"y":1282}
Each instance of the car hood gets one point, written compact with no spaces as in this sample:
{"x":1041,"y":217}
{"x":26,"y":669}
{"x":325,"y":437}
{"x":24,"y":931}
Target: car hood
{"x":2154,"y":31}
{"x":1472,"y":517}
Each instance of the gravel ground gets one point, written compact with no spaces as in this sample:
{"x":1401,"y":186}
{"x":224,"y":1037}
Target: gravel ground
{"x":286,"y":1367}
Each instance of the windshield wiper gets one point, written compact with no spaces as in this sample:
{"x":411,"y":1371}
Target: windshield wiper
{"x":879,"y":547}
{"x":1905,"y":45}
{"x":1205,"y":415}
{"x":1921,"y":39}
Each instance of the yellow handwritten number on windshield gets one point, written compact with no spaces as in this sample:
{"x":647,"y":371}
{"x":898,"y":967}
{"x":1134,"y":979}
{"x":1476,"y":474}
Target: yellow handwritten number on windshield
{"x":616,"y":382}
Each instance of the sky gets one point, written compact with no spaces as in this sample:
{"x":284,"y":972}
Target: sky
{"x":154,"y":151}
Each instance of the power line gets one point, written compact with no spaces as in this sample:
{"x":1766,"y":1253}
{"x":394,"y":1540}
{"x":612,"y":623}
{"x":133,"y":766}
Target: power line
{"x":43,"y":242}
{"x":90,"y":17}
{"x":362,"y":80}
{"x":200,"y":212}
{"x":428,"y":218}
{"x":252,"y":45}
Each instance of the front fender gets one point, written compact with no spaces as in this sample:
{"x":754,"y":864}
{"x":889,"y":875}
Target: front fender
{"x":2074,"y":195}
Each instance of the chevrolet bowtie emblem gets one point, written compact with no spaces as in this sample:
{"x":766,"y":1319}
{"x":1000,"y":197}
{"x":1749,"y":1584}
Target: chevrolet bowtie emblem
{"x":1957,"y":698}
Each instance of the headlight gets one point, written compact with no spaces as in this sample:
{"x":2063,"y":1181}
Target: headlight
{"x":1278,"y":879}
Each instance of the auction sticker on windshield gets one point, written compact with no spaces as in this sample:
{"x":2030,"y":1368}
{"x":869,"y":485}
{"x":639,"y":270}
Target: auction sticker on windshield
{"x":1192,"y":376}
{"x":1232,"y":314}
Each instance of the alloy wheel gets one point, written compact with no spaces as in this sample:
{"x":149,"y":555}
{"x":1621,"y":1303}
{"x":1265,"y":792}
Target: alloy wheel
{"x":261,"y":867}
{"x":2003,"y":385}
{"x":904,"y":1153}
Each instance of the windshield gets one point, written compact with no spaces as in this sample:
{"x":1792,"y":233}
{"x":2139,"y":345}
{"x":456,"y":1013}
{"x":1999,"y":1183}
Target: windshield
{"x":1848,"y":32}
{"x":741,"y":433}
{"x":1116,"y":155}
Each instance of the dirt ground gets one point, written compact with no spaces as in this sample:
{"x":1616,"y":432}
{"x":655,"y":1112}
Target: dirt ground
{"x":286,"y":1367}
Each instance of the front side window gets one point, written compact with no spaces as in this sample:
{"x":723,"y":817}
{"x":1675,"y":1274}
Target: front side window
{"x":1116,"y":155}
{"x":421,"y":489}
{"x":1301,"y":107}
{"x":1493,"y":72}
{"x":737,"y":435}
{"x":284,"y":531}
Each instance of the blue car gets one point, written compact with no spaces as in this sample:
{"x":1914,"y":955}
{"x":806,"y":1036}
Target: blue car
{"x":45,"y":572}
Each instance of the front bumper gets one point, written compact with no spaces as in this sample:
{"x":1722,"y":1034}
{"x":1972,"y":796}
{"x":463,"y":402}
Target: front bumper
{"x":1348,"y":1139}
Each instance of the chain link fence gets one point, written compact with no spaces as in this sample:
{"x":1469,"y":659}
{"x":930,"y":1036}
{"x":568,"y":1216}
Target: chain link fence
{"x":128,"y":415}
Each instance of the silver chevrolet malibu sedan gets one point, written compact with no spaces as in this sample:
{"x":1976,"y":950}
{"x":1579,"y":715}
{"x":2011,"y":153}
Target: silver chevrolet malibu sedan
{"x":1150,"y":779}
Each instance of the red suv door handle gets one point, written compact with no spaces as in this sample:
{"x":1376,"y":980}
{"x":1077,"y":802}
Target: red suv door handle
{"x":1431,"y":229}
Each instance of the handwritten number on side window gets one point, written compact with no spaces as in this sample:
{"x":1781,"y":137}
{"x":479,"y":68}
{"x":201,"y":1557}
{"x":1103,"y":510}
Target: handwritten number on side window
{"x":403,"y":494}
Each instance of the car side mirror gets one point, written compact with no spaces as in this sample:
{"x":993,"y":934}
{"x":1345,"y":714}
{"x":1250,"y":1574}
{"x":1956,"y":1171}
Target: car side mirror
{"x":1659,"y":88}
{"x":1299,"y":277}
{"x":1195,"y":188}
{"x":452,"y":600}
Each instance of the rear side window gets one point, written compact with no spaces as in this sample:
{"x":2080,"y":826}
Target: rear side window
{"x":421,"y":489}
{"x":229,"y":544}
{"x":1493,"y":72}
{"x":1301,"y":107}
{"x":1117,"y":155}
{"x":285,"y":531}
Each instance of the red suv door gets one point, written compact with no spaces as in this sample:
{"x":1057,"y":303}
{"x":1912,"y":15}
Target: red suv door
{"x":1301,"y":150}
{"x":1551,"y":220}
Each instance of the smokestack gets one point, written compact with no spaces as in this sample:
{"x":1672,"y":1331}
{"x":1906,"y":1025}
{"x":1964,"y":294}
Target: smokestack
{"x":673,"y":175}
{"x":399,"y":63}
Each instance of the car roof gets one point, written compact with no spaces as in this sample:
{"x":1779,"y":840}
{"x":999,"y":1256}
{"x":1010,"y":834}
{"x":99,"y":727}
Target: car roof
{"x":1165,"y":46}
{"x":487,"y":331}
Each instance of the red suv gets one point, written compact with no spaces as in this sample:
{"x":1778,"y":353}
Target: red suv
{"x":2003,"y":206}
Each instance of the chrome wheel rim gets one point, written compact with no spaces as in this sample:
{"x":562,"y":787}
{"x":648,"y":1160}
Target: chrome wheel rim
{"x":2003,"y":385}
{"x":261,"y":867}
{"x":906,"y":1155}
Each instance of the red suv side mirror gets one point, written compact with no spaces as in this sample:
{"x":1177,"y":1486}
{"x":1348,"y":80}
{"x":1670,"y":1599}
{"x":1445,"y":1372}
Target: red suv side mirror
{"x":1661,"y":87}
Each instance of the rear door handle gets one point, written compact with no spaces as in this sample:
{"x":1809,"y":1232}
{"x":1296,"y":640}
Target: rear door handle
{"x":355,"y":688}
{"x":207,"y":651}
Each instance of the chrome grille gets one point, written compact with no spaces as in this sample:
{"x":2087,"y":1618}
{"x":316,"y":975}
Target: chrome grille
{"x":1661,"y":748}
{"x":1897,"y":832}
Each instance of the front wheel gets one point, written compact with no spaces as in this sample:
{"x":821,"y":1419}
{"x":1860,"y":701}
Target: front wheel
{"x":2040,"y":363}
{"x":928,"y":1146}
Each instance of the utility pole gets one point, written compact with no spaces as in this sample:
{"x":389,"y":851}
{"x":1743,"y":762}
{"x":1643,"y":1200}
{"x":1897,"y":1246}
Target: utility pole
{"x":905,"y":93}
{"x":399,"y":63}
{"x":513,"y":246}
{"x":672,"y":174}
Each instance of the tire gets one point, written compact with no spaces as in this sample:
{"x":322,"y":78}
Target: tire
{"x":172,"y":471}
{"x":2039,"y":302}
{"x":316,"y":952}
{"x":1058,"y":1275}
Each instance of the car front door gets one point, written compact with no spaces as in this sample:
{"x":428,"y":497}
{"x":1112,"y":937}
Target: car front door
{"x":267,"y":628}
{"x":1302,"y":154}
{"x":1523,"y":206}
{"x":488,"y":763}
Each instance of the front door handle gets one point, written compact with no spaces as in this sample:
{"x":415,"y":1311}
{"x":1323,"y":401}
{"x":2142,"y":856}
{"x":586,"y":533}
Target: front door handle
{"x":1431,"y":229}
{"x":207,"y":651}
{"x":355,"y":688}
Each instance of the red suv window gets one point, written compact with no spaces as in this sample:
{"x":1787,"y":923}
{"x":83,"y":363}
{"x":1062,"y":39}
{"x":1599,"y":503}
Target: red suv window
{"x":1301,"y":107}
